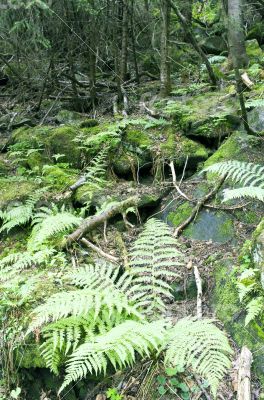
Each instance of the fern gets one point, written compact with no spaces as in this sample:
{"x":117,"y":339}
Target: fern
{"x":254,"y":308}
{"x":254,"y":103}
{"x":118,"y":346}
{"x":15,"y":262}
{"x":250,"y":175}
{"x":155,"y":261}
{"x":200,"y":345}
{"x":20,"y":215}
{"x":48,"y":223}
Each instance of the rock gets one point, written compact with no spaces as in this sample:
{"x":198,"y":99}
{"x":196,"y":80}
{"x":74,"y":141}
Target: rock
{"x":215,"y":226}
{"x":205,"y":115}
{"x":88,"y":123}
{"x":239,"y":146}
{"x":256,"y":119}
{"x":15,"y":189}
{"x":69,"y":117}
{"x":253,"y":50}
{"x":225,"y":303}
{"x":59,"y":178}
{"x":184,"y":290}
{"x":4,"y":167}
{"x":214,"y":45}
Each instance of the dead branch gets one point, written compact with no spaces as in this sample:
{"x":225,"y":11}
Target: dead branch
{"x":174,"y":181}
{"x":244,"y":375}
{"x":99,"y":251}
{"x":246,"y":80}
{"x":198,"y":207}
{"x":198,"y":282}
{"x":92,"y":222}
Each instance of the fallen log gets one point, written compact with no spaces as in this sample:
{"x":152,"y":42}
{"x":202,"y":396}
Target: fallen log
{"x":244,"y":375}
{"x":92,"y":222}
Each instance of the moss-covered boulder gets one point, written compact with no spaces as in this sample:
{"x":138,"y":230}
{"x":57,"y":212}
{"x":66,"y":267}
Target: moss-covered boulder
{"x":69,"y":117}
{"x":209,"y":115}
{"x":253,"y":49}
{"x":216,"y":226}
{"x":256,"y":119}
{"x":59,"y":177}
{"x":239,"y":146}
{"x":225,"y":303}
{"x":15,"y":189}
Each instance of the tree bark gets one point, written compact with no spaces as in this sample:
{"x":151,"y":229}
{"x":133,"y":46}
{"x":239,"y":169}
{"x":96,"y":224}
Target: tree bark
{"x":165,"y":79}
{"x":123,"y":66}
{"x":236,"y":35}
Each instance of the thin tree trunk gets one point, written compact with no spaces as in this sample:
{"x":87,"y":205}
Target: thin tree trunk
{"x":189,"y":34}
{"x":165,"y":80}
{"x":236,"y":36}
{"x":133,"y":42}
{"x":123,"y":66}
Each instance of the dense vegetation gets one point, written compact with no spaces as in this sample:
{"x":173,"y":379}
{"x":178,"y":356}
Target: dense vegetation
{"x":131,"y":206}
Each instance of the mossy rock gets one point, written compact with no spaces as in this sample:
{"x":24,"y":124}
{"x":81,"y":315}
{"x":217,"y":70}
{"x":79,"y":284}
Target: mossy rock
{"x":13,"y":189}
{"x":239,"y":146}
{"x":88,"y":123}
{"x":178,"y":148}
{"x":216,"y":226}
{"x":225,"y":303}
{"x":253,"y":49}
{"x":61,"y":142}
{"x":69,"y":117}
{"x":206,"y":115}
{"x":59,"y":178}
{"x":256,"y":119}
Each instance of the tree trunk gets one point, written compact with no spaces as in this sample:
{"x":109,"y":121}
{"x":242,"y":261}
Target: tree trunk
{"x":165,"y":80}
{"x":133,"y":42}
{"x":123,"y":67}
{"x":185,"y":7}
{"x":189,"y":34}
{"x":236,"y":36}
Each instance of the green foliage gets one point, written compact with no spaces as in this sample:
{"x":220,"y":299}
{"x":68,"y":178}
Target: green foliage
{"x":113,"y":394}
{"x":171,"y":383}
{"x":254,"y":103}
{"x":250,"y":175}
{"x":104,"y":320}
{"x":201,"y":346}
{"x":251,"y":293}
{"x":49,"y":223}
{"x":155,"y":260}
{"x":20,"y":215}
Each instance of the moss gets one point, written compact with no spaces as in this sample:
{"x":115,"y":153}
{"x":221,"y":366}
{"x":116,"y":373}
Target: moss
{"x":67,"y":117}
{"x":89,"y":123}
{"x":36,"y":160}
{"x":138,"y":138}
{"x":197,"y":115}
{"x":180,"y":215}
{"x":226,"y":305}
{"x":239,"y":146}
{"x":61,"y":142}
{"x":179,"y":147}
{"x":31,"y":357}
{"x":59,"y":178}
{"x":253,"y":49}
{"x":4,"y":167}
{"x":15,"y":189}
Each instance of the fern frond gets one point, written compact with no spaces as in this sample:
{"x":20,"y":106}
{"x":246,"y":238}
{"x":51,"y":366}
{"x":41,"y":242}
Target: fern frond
{"x":200,"y":345}
{"x":155,"y":261}
{"x":254,"y":308}
{"x":118,"y":346}
{"x":248,"y":191}
{"x":49,"y":223}
{"x":20,"y":215}
{"x":247,"y":174}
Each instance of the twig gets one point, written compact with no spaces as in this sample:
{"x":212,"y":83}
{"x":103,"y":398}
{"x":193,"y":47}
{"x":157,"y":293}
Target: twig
{"x":184,"y":169}
{"x":198,"y":206}
{"x":202,"y":388}
{"x":199,"y":292}
{"x":174,"y":181}
{"x":109,"y":257}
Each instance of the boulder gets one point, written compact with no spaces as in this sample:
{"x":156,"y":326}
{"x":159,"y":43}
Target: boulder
{"x":256,"y":119}
{"x":239,"y":146}
{"x":15,"y":189}
{"x":253,"y":50}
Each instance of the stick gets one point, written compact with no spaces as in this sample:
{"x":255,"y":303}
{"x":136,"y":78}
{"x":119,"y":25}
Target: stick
{"x":198,"y":206}
{"x":109,"y":257}
{"x":244,"y":375}
{"x":174,"y":181}
{"x":92,"y":222}
{"x":199,"y":292}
